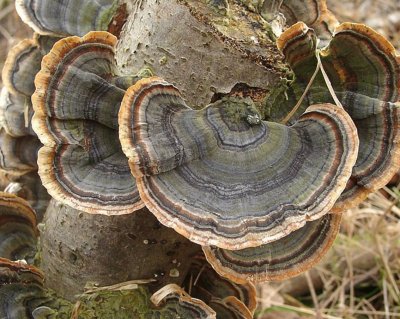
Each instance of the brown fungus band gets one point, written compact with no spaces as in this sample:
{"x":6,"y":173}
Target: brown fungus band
{"x":221,"y":176}
{"x":364,"y":71}
{"x":67,"y":17}
{"x":76,"y":117}
{"x":18,"y":232}
{"x":281,"y":259}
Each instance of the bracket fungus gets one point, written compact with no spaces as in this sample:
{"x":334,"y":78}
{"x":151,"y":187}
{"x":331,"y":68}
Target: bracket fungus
{"x":21,"y":289}
{"x":364,"y":72}
{"x":21,"y":66}
{"x":221,"y":176}
{"x":76,"y":105}
{"x":77,"y":17}
{"x":281,"y":259}
{"x":15,"y":114}
{"x":204,"y":283}
{"x":18,"y":232}
{"x":181,"y":303}
{"x":18,"y":155}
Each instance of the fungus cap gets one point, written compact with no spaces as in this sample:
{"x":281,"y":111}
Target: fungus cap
{"x":76,"y":110}
{"x":206,"y":284}
{"x":21,"y":66}
{"x":230,"y":307}
{"x":18,"y":232}
{"x":313,"y":13}
{"x":281,"y":259}
{"x":364,"y":71}
{"x":219,"y":180}
{"x":15,"y":114}
{"x":18,"y":155}
{"x":21,"y":289}
{"x":182,"y":304}
{"x":77,"y":17}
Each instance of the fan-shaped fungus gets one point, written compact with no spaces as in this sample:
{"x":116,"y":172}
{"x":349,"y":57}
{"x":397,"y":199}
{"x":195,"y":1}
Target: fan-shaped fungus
{"x":18,"y":232}
{"x":18,"y":155}
{"x":21,"y":289}
{"x":204,"y":283}
{"x":174,"y":297}
{"x":21,"y":66}
{"x":77,"y":18}
{"x":314,"y":13}
{"x":281,"y":259}
{"x":364,"y":71}
{"x":15,"y":114}
{"x":76,"y":107}
{"x":221,"y":176}
{"x":230,"y":307}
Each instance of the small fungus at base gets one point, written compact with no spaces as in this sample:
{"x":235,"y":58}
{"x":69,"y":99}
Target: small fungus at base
{"x":204,"y":283}
{"x":76,"y":108}
{"x":220,"y":181}
{"x":181,"y":304}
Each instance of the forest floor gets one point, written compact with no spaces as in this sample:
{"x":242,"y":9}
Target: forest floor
{"x":360,"y":277}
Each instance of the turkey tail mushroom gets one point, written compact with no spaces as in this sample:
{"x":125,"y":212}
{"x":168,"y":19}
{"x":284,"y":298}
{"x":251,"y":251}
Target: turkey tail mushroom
{"x":173,"y":299}
{"x":77,"y":18}
{"x":221,"y":176}
{"x":18,"y":232}
{"x":281,"y":259}
{"x":76,"y":117}
{"x":364,"y":71}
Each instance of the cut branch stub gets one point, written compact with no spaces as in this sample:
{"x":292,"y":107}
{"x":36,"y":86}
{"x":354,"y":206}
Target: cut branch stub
{"x":173,"y":299}
{"x":204,"y":283}
{"x":77,"y":17}
{"x":18,"y":232}
{"x":221,"y":176}
{"x":76,"y":117}
{"x":364,"y":71}
{"x":281,"y":259}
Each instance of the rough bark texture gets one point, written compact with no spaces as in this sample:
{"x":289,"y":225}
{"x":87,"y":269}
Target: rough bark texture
{"x":77,"y":248}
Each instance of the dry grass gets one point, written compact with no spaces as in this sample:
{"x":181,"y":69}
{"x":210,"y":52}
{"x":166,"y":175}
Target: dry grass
{"x":382,"y":15}
{"x":359,"y":278}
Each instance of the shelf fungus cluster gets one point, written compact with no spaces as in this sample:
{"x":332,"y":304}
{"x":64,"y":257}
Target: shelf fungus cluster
{"x":259,"y":196}
{"x":264,"y":199}
{"x":19,"y":144}
{"x":76,"y":105}
{"x":364,"y":72}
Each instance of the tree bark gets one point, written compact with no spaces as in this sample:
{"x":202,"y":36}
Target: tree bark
{"x":78,"y":248}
